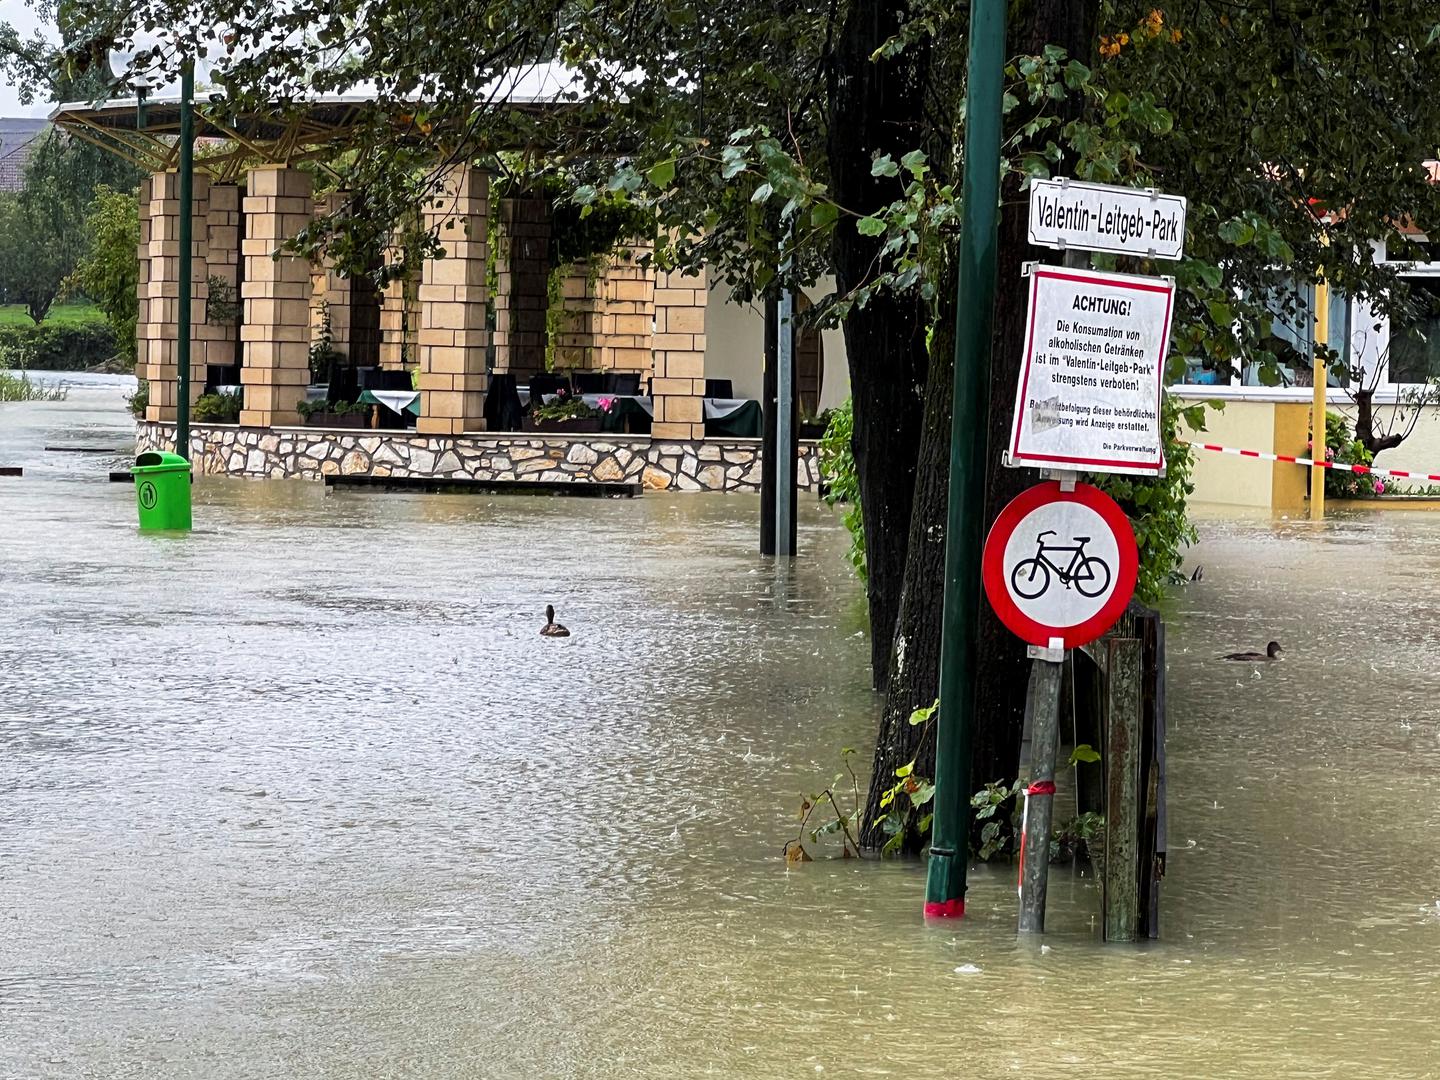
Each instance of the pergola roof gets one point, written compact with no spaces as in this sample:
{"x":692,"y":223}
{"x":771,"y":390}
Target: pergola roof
{"x":316,"y":128}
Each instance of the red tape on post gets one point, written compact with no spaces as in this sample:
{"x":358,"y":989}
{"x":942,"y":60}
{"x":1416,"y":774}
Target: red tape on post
{"x":1041,"y":787}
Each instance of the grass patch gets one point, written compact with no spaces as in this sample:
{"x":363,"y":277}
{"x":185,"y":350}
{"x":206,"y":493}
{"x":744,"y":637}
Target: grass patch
{"x":60,"y":315}
{"x":19,"y":388}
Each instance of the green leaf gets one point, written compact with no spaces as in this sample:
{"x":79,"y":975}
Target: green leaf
{"x":883,"y":166}
{"x":662,"y":173}
{"x":922,"y":795}
{"x":823,"y":215}
{"x":870,"y":226}
{"x":1083,"y":752}
{"x":762,"y":193}
{"x":1237,"y":231}
{"x":914,"y":163}
{"x":905,"y":770}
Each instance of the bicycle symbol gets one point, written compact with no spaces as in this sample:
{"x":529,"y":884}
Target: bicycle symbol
{"x":1088,"y":573}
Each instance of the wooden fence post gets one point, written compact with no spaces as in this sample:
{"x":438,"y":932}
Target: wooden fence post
{"x":1121,"y":898}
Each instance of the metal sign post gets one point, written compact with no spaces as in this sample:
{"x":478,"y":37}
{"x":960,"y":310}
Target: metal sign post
{"x":965,"y":520}
{"x":187,"y":210}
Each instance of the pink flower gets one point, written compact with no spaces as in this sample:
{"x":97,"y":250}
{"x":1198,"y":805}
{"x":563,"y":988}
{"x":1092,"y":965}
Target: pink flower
{"x":1379,"y":487}
{"x":606,"y":404}
{"x":1309,"y":444}
{"x":1329,"y":453}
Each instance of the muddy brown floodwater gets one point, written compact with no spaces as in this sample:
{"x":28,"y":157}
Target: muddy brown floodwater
{"x":305,"y":794}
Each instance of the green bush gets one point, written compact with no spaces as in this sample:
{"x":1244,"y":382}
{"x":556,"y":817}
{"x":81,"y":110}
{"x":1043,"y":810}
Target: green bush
{"x":842,"y":479}
{"x":139,"y":400}
{"x":217,"y":409}
{"x":57,"y":346}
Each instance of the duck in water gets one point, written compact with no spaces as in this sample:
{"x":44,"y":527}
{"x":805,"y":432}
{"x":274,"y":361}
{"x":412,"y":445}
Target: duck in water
{"x":1272,"y":652}
{"x":554,"y":629}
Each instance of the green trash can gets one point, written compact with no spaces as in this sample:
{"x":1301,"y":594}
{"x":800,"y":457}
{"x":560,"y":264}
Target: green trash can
{"x":162,"y":491}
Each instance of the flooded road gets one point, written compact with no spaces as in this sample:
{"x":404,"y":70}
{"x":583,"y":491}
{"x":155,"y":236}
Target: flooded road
{"x":306,"y":795}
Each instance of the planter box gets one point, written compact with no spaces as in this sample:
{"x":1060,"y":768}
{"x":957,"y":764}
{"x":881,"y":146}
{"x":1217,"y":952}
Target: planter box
{"x":338,"y":420}
{"x":588,"y":426}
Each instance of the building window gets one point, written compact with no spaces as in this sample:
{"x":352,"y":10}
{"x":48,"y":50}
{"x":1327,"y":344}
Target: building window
{"x":1415,"y":342}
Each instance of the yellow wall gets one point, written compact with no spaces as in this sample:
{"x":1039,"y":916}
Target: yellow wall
{"x":1231,"y":480}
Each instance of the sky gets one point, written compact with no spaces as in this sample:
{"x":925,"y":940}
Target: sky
{"x":19,"y":15}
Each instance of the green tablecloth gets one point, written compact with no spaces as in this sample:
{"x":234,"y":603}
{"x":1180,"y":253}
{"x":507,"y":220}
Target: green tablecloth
{"x":746,"y":422}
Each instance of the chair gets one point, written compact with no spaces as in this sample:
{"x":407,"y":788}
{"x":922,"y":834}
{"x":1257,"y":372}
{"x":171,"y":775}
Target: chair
{"x":395,"y":380}
{"x":502,"y":404}
{"x":369,"y":378}
{"x":590,"y":382}
{"x":721,"y":388}
{"x":624,"y":383}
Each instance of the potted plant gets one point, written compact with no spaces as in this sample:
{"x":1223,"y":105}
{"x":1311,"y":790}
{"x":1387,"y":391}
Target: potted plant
{"x":565,"y":412}
{"x":332,"y":414}
{"x":220,"y":408}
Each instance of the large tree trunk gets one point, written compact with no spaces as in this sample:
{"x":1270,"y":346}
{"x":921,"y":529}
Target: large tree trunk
{"x":875,"y":108}
{"x":915,"y":648}
{"x":1000,"y":695}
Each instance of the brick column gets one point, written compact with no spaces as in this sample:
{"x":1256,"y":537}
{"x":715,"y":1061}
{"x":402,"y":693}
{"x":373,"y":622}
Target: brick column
{"x":579,"y":319}
{"x":679,"y":350}
{"x":222,"y":260}
{"x":628,"y":310}
{"x":399,"y":317}
{"x":275,"y":332}
{"x":452,"y":306}
{"x":144,"y":333}
{"x":331,"y":290}
{"x":522,"y":295}
{"x":162,"y":292}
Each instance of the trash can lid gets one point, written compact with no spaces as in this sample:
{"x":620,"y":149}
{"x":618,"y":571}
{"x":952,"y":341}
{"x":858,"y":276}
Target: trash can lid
{"x":160,"y":461}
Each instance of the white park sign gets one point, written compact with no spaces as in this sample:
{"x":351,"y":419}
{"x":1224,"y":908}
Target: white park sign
{"x":1089,"y":391}
{"x":1095,"y":217}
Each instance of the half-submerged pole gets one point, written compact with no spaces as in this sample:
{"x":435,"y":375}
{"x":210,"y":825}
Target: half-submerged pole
{"x":965,"y":522}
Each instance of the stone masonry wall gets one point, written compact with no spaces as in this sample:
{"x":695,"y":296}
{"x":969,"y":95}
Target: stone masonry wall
{"x":312,"y":453}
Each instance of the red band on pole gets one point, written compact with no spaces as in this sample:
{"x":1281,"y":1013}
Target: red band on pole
{"x":1041,"y":787}
{"x":945,"y":909}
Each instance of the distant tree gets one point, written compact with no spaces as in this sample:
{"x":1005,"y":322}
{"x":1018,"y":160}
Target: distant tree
{"x":107,"y":274}
{"x":40,"y":242}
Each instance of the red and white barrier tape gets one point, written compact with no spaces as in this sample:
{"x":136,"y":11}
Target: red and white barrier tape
{"x":1311,"y":463}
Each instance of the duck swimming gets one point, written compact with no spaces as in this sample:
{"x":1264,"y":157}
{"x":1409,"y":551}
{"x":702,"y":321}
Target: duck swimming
{"x":1272,"y":652}
{"x":554,"y":629}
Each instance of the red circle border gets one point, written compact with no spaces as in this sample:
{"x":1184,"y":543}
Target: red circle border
{"x":993,"y":570}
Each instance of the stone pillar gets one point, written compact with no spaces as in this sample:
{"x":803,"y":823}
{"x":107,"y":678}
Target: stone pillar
{"x":627,"y":314}
{"x":522,"y":295}
{"x":579,"y":332}
{"x":453,"y":306}
{"x":679,"y":349}
{"x":144,"y":333}
{"x":222,"y":262}
{"x":162,"y":308}
{"x":275,"y":331}
{"x":330,"y":296}
{"x":399,"y":316}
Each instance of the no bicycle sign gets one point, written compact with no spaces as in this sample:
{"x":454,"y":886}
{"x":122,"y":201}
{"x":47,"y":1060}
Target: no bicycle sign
{"x":1059,"y":566}
{"x":1089,"y":391}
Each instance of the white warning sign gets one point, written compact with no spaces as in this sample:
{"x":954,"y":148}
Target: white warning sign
{"x":1094,"y":365}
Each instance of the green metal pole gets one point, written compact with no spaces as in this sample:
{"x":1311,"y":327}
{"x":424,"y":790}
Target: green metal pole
{"x":964,"y":532}
{"x":187,"y":205}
